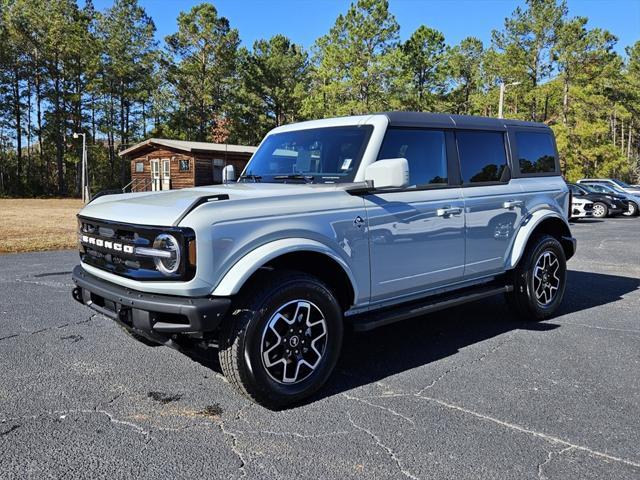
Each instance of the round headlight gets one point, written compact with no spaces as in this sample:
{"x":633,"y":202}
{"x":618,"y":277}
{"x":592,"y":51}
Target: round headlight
{"x":171,"y":263}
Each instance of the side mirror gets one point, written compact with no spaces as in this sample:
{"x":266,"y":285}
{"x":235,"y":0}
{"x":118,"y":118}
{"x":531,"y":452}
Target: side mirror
{"x":388,"y":173}
{"x":228,"y":174}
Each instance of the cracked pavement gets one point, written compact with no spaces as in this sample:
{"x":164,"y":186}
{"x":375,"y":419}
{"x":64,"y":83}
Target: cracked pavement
{"x":464,"y":393}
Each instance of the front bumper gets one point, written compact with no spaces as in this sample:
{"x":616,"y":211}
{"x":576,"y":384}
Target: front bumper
{"x":153,"y":315}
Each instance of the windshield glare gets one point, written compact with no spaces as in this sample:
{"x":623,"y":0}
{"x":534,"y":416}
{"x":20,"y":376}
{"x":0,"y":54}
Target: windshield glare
{"x":321,"y":155}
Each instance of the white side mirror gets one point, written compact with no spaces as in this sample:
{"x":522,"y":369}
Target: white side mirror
{"x":228,"y":174}
{"x":389,"y":173}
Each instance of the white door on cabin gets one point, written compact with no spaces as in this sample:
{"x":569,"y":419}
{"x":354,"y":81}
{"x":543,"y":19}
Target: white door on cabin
{"x":155,"y":175}
{"x":166,"y":174}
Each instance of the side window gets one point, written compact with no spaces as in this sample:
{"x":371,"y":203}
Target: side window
{"x":536,"y":153}
{"x":425,"y":150}
{"x":483,"y":157}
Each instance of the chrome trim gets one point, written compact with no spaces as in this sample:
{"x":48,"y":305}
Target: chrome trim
{"x":152,"y":252}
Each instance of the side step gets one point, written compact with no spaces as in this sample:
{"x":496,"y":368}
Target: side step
{"x":370,"y":320}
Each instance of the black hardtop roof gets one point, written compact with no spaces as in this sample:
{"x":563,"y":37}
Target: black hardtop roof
{"x":443,"y":120}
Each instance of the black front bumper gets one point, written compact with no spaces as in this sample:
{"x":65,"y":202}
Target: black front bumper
{"x":153,"y":315}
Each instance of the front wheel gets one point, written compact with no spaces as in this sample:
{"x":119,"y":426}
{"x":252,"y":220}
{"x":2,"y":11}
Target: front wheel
{"x":600,"y":210}
{"x":633,"y":210}
{"x":539,"y":279}
{"x":283,"y":338}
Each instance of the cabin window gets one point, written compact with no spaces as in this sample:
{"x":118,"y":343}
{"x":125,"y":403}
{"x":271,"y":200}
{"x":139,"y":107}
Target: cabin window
{"x":139,"y":167}
{"x":185,"y":165}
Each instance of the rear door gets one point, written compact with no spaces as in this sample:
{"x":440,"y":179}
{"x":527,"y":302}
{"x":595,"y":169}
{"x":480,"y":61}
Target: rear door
{"x":416,"y":234}
{"x":493,"y":202}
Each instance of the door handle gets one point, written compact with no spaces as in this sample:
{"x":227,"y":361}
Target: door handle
{"x":511,"y":204}
{"x":446,"y":211}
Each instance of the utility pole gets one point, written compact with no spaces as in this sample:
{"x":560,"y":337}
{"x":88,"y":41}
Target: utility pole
{"x":503,"y":87}
{"x":85,"y":172}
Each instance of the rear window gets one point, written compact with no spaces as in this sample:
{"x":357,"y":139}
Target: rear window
{"x":536,"y":152}
{"x":483,"y":156}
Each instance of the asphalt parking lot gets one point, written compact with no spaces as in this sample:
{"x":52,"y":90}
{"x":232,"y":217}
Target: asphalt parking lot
{"x":465,"y":393}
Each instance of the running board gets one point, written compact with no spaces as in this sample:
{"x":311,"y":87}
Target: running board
{"x":370,"y":320}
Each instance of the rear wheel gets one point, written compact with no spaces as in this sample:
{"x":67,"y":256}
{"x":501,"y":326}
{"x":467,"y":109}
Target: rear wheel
{"x":539,"y":279}
{"x":633,"y":210}
{"x":600,"y":210}
{"x":282,"y":339}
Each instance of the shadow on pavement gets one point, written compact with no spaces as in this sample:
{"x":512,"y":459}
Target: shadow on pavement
{"x":372,"y":356}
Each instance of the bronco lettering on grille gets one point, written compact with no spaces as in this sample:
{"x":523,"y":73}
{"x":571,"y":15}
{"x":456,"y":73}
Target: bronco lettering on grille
{"x":109,"y":245}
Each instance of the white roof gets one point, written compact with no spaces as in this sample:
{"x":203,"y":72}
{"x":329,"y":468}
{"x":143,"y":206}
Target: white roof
{"x":186,"y":146}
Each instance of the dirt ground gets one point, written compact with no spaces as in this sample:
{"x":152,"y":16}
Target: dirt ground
{"x":28,"y":225}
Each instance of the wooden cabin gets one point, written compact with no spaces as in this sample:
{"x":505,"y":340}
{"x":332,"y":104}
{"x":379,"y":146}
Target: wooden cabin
{"x":161,"y":164}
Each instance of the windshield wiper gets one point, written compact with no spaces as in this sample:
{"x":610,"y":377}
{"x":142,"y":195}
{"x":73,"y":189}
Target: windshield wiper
{"x":255,"y":178}
{"x":295,"y":176}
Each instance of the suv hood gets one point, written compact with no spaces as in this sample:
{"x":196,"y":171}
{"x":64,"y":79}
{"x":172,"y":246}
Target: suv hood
{"x":167,"y":208}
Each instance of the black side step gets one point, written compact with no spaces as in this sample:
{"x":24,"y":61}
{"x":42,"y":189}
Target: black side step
{"x":378,"y":318}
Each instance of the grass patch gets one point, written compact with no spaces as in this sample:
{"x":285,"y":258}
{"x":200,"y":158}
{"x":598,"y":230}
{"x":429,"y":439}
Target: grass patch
{"x":30,"y":225}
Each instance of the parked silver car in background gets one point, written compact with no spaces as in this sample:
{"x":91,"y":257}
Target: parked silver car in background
{"x":349,"y":222}
{"x":614,"y":183}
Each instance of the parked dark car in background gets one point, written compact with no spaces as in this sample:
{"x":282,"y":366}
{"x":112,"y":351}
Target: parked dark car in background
{"x":604,"y":204}
{"x":597,"y":187}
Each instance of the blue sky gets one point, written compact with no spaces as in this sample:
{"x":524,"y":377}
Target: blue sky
{"x":305,"y":20}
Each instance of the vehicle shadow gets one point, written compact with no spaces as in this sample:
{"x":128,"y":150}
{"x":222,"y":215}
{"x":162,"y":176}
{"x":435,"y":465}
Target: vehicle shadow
{"x":372,"y":356}
{"x":585,"y":220}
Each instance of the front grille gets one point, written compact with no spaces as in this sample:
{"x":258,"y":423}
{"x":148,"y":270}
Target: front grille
{"x":111,"y":247}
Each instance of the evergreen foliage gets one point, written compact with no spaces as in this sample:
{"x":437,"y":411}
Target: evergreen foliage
{"x":66,"y":69}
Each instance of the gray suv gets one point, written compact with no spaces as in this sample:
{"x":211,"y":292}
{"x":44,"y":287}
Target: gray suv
{"x":353,"y":222}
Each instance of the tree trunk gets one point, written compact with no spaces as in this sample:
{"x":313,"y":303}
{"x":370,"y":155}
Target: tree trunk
{"x":565,"y":100}
{"x":47,"y":172}
{"x":58,"y":127}
{"x":17,"y":112}
{"x":123,"y":140}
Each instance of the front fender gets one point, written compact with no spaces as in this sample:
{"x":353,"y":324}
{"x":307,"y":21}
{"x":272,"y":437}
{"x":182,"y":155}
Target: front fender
{"x":527,"y":227}
{"x":234,"y":279}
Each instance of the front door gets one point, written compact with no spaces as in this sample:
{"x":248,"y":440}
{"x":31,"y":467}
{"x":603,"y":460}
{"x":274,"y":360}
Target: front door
{"x":493,"y":203}
{"x":155,"y":175}
{"x":416,"y":236}
{"x":166,"y":174}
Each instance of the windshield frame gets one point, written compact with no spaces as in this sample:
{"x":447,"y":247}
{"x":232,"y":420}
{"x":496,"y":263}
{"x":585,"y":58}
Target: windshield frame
{"x":312,"y":177}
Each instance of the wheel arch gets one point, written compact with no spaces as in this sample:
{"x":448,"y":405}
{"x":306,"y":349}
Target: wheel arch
{"x":300,"y":254}
{"x":540,"y":222}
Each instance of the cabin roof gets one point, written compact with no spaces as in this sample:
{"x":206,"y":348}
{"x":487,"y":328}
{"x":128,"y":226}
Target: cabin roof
{"x":186,"y":146}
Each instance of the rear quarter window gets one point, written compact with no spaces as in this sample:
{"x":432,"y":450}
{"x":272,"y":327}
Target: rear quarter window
{"x":536,"y":153}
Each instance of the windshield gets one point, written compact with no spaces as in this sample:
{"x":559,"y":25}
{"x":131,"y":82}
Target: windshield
{"x":599,"y":188}
{"x":620,"y":183}
{"x":320,"y":155}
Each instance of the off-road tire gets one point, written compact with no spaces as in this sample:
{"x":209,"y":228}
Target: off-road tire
{"x":240,"y":353}
{"x":523,"y":299}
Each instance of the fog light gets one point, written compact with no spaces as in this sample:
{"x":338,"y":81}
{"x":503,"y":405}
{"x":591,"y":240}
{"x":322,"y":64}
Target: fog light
{"x":169,"y":244}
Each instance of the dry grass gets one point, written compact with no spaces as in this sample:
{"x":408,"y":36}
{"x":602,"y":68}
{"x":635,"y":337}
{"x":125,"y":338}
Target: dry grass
{"x":28,"y":225}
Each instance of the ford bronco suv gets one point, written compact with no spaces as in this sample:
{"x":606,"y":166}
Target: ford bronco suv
{"x":353,"y":222}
